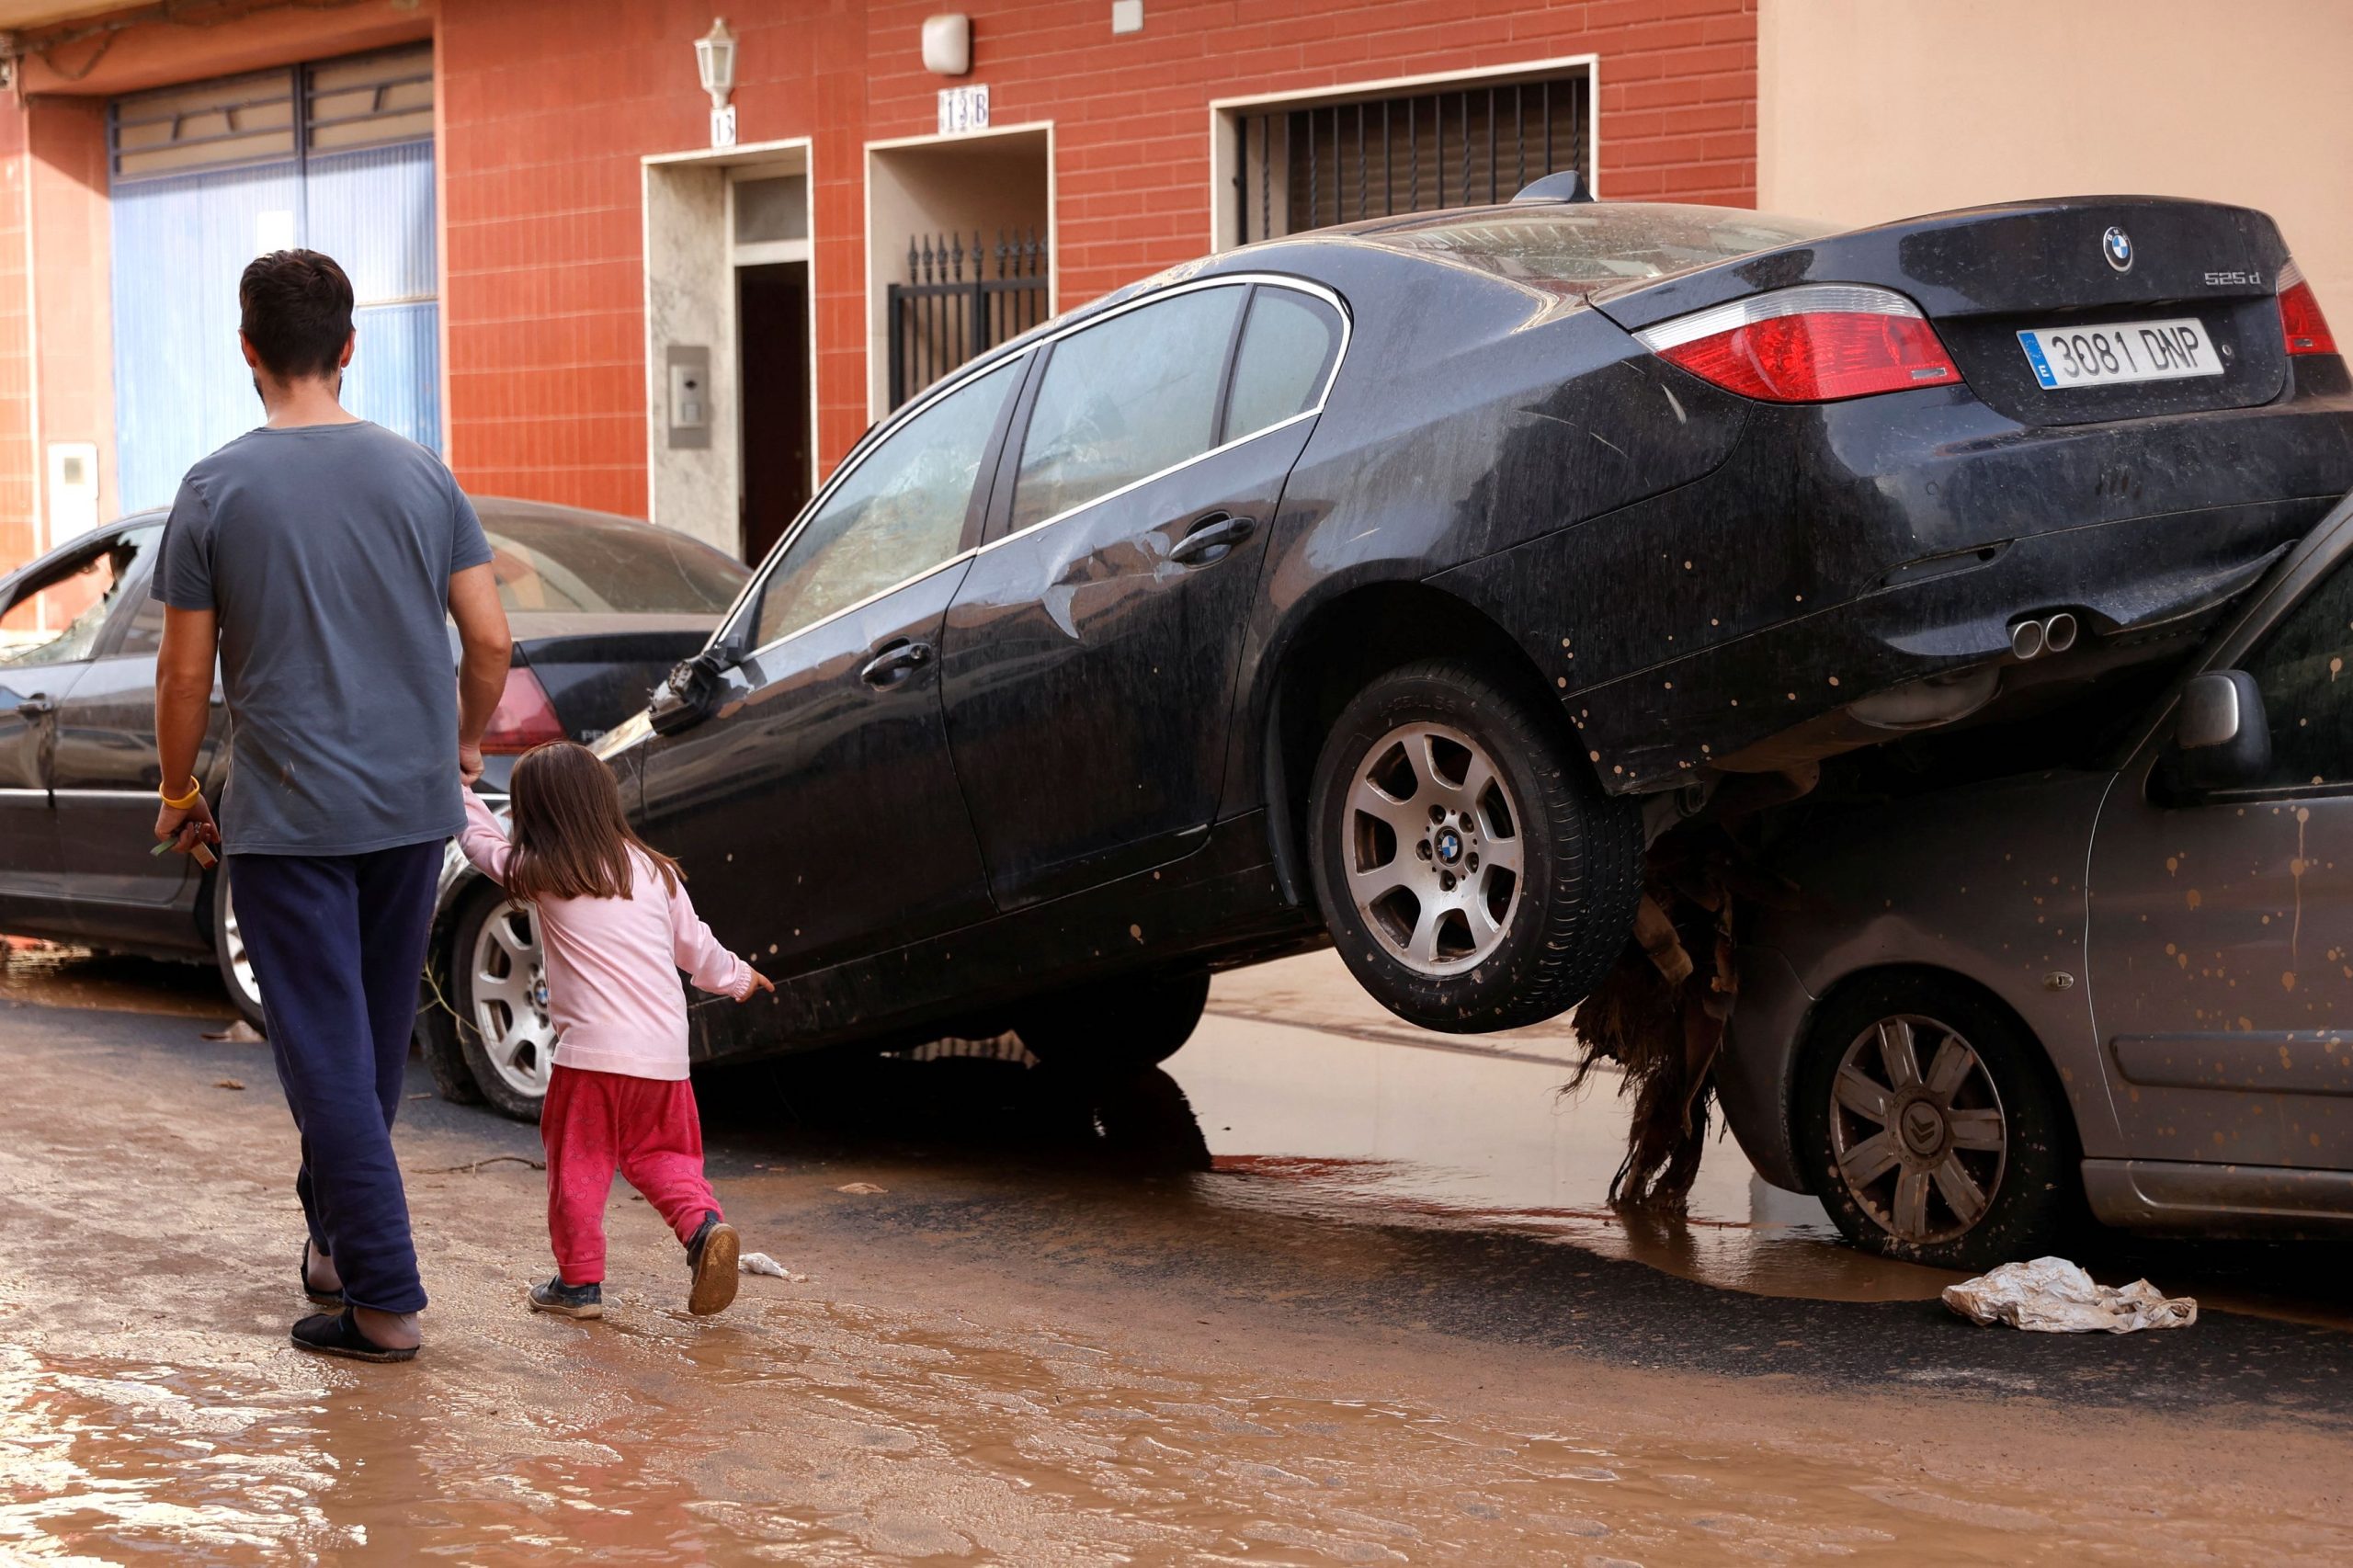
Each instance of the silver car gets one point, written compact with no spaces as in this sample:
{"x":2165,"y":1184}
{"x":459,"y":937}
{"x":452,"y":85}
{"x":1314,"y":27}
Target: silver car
{"x":2125,"y":988}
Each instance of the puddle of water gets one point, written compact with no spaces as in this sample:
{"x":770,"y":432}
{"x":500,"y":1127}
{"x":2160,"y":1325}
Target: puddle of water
{"x":803,"y":1429}
{"x":1355,"y":1119}
{"x":1360,"y":1112}
{"x":830,"y":1433}
{"x":1324,"y":1102}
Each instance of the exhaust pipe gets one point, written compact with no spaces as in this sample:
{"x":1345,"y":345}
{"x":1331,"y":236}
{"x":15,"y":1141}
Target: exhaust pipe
{"x":2053,"y":633}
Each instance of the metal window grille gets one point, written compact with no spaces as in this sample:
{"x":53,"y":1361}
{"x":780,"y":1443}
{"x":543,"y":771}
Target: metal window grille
{"x":367,"y":100}
{"x":950,"y":311}
{"x":1334,"y":163}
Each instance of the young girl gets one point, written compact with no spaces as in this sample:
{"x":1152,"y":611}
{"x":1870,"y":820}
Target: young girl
{"x":617,"y":927}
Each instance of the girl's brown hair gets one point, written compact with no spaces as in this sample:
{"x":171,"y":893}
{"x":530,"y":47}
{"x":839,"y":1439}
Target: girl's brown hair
{"x":571,"y":839}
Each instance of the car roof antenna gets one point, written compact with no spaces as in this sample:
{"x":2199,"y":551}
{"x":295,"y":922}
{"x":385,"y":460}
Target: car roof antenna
{"x":1565,"y":186}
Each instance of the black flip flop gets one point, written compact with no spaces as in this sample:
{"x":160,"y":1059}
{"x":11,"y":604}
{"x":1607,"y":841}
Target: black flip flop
{"x":323,"y":1297}
{"x":337,"y":1334}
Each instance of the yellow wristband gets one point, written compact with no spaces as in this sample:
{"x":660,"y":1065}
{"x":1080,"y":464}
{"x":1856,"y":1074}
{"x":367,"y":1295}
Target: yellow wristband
{"x":195,"y":793}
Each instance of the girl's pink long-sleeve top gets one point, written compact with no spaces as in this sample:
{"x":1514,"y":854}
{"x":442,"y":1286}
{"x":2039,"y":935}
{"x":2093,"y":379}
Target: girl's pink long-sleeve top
{"x":613,"y":963}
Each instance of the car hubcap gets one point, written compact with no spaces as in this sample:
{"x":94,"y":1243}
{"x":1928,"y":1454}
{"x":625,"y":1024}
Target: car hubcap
{"x":233,"y":940}
{"x":510,"y":1000}
{"x":1920,"y":1149}
{"x":1433,"y":848}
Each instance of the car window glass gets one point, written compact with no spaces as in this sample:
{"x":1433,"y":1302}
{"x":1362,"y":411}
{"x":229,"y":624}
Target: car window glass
{"x":1123,"y":399}
{"x":56,"y":617}
{"x":2305,"y":669}
{"x":141,"y":619}
{"x":1287,"y":348}
{"x":579,"y":562}
{"x":900,"y":513}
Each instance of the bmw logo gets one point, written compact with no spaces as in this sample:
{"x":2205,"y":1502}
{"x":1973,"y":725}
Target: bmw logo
{"x":2117,"y":245}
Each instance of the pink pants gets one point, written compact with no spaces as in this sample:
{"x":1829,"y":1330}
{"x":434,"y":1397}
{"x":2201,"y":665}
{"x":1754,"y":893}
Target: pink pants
{"x":596,"y":1123}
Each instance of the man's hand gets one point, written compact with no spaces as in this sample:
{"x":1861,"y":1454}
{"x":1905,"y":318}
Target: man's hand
{"x":187,"y":828}
{"x":182,"y":712}
{"x":484,"y":647}
{"x":759,"y":983}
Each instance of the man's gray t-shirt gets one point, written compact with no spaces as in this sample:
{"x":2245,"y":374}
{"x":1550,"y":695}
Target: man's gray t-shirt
{"x":326,"y":552}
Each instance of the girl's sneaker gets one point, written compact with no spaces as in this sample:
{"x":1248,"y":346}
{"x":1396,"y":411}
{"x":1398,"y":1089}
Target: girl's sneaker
{"x":568,"y":1301}
{"x":711,"y":1256}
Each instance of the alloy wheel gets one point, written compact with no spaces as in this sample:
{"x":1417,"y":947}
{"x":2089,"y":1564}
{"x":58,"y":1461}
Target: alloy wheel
{"x":233,"y":942}
{"x":510,"y":999}
{"x":1920,"y":1149}
{"x":1433,"y":848}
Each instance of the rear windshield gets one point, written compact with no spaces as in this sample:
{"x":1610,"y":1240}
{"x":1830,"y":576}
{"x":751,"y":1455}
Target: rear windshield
{"x":585,"y":563}
{"x":1582,"y":247}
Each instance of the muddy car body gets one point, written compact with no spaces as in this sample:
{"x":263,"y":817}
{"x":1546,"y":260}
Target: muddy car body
{"x":2125,"y":984}
{"x":1582,"y":504}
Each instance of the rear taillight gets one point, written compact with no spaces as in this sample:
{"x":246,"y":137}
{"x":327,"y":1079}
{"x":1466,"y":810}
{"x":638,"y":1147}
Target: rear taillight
{"x":525,"y":717}
{"x":2300,"y":322}
{"x":1811,"y":344}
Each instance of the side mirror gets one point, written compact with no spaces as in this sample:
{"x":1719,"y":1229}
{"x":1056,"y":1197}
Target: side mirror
{"x":684,"y":698}
{"x":2221,"y":740}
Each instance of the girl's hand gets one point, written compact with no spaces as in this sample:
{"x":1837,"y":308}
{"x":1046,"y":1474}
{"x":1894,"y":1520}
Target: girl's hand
{"x":759,"y":983}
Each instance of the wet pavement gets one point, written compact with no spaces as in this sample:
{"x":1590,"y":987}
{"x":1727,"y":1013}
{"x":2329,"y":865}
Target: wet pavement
{"x":1393,"y":1321}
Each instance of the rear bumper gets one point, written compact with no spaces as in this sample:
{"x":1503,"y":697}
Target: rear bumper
{"x":2123,"y":580}
{"x":1846,"y":549}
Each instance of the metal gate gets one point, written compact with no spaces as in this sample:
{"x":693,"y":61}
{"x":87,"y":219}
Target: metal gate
{"x":336,"y":157}
{"x":1309,"y":167}
{"x":942,"y":317}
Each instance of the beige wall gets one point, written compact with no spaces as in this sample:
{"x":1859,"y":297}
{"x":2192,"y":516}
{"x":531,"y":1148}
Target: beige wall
{"x":1872,"y":109}
{"x":982,"y":183}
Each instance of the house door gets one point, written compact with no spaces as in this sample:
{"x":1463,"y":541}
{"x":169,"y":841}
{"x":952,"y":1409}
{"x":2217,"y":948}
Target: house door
{"x":335,"y":157}
{"x":772,"y":318}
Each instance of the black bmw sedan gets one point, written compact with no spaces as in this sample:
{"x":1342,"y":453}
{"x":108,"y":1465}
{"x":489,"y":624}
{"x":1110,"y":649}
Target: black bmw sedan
{"x":1386,"y":584}
{"x":600,"y":607}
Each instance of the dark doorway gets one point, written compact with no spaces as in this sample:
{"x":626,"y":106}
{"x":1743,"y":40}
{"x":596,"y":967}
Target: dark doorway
{"x":772,"y":351}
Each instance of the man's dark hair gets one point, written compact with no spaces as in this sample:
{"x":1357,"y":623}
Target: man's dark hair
{"x":296,"y":308}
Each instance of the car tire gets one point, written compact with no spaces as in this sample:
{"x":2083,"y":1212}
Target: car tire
{"x":1473,"y":875}
{"x":1969,"y":1164}
{"x":1117,"y":1028}
{"x":499,"y":993}
{"x":436,"y":1033}
{"x":229,"y":953}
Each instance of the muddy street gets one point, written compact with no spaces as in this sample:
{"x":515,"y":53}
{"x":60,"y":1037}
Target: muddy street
{"x":1329,"y":1289}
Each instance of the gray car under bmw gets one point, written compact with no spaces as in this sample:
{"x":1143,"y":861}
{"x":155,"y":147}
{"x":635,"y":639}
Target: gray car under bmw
{"x":2121,"y":985}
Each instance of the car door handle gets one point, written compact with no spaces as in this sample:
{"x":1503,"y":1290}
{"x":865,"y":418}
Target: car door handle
{"x":895,"y":663}
{"x":37,"y":705}
{"x":1212,"y":538}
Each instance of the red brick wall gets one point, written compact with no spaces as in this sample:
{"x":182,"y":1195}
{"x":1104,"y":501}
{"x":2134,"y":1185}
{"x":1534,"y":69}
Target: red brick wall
{"x":548,"y":106}
{"x":17,"y":455}
{"x":73,"y":281}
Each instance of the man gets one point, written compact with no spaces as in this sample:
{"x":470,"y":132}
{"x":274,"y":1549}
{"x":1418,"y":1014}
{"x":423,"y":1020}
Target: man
{"x":316,"y":556}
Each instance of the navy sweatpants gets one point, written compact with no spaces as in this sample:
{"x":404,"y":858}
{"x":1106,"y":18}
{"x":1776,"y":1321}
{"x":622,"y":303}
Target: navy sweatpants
{"x":337,"y":942}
